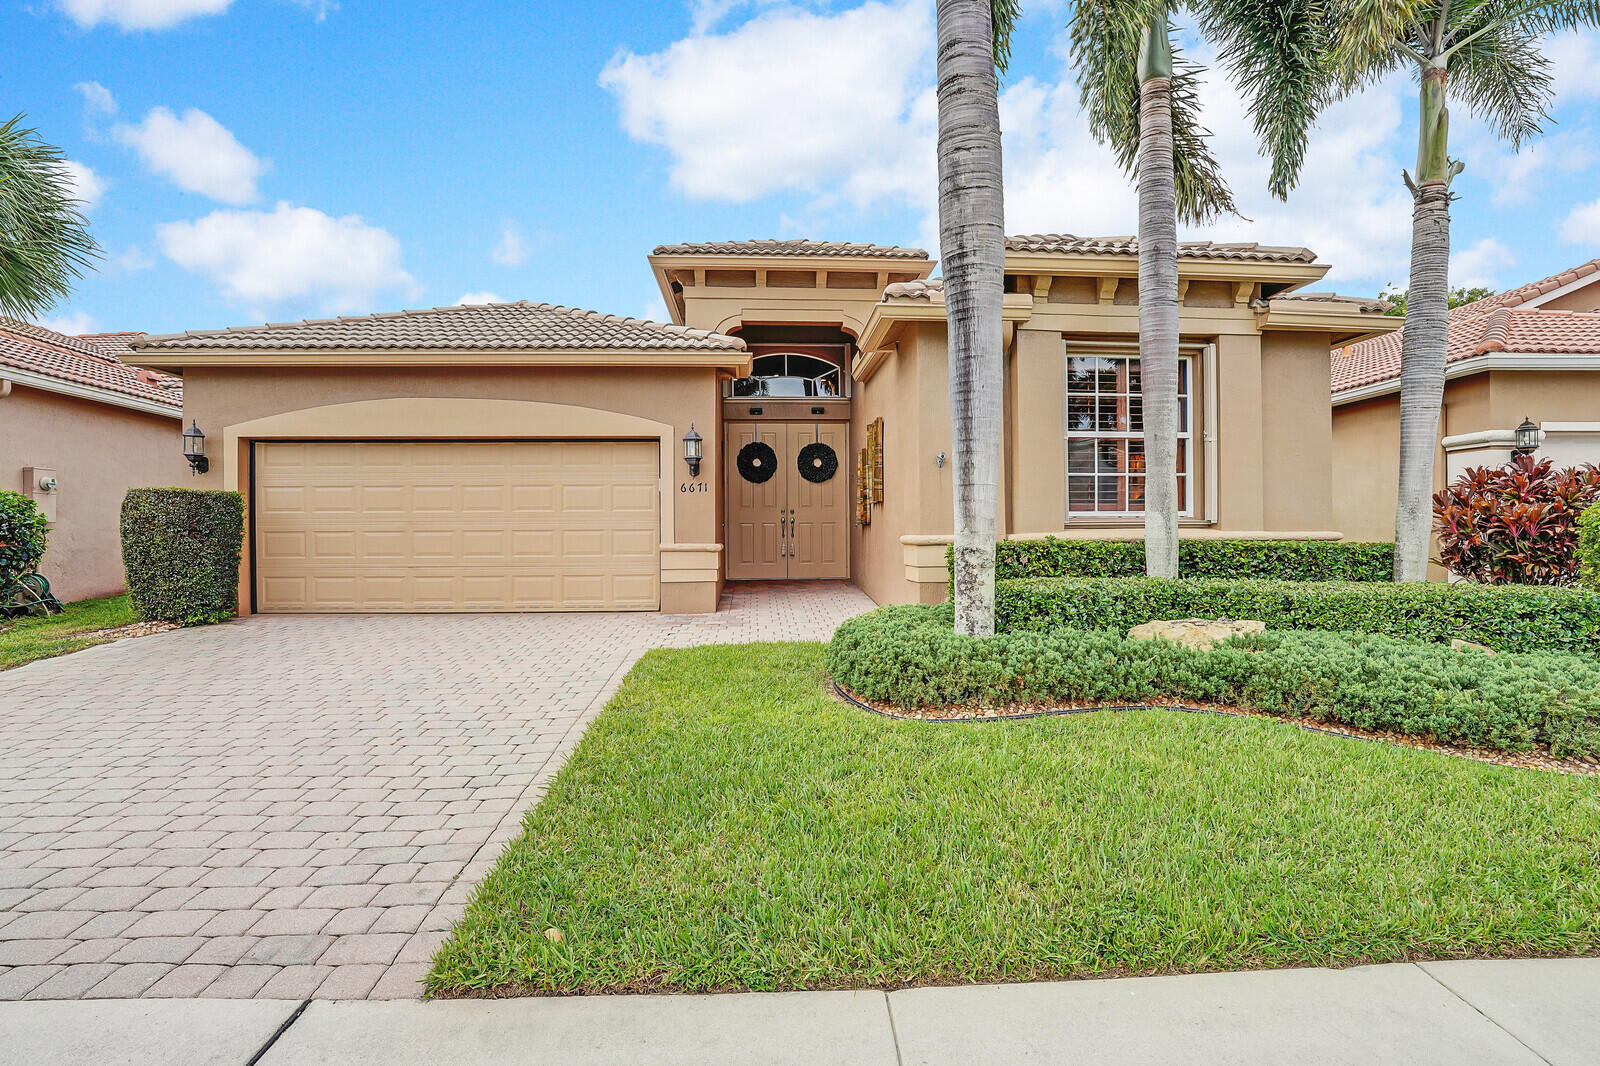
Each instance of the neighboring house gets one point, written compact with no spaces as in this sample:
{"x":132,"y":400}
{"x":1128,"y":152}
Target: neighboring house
{"x":78,"y":428}
{"x":532,"y":457}
{"x":1532,"y":352}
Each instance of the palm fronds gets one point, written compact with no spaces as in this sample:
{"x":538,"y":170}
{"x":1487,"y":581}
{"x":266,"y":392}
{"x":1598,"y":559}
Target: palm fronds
{"x":1105,"y":38}
{"x":44,"y":239}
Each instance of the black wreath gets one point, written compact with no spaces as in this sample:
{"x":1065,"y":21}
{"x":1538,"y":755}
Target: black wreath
{"x":818,"y":463}
{"x":757,"y":462}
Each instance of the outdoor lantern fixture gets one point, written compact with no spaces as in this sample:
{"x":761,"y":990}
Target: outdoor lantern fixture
{"x":692,"y":450}
{"x":1527,"y":438}
{"x":194,"y":449}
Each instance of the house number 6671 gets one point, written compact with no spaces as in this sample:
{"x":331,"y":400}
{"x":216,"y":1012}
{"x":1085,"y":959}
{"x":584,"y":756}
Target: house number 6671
{"x":694,"y":486}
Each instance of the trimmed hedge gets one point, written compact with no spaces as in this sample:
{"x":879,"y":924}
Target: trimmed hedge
{"x":910,"y":657}
{"x":181,"y":549}
{"x":1284,"y":560}
{"x":23,"y":532}
{"x":1589,"y":548}
{"x":1519,"y":618}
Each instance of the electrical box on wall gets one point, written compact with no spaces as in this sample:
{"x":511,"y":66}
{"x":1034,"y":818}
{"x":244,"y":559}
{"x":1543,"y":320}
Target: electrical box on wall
{"x":39,"y":485}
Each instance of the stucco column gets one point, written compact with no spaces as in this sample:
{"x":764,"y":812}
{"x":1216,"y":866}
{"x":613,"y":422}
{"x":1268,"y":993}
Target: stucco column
{"x":1240,"y":451}
{"x":1039,"y":465}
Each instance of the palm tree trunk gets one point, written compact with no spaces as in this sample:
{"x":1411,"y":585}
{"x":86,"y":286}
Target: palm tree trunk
{"x":972,"y":245}
{"x":1158,"y":302}
{"x":1427,"y":336}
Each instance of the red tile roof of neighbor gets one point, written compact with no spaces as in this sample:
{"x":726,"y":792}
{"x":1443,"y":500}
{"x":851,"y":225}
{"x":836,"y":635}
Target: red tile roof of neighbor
{"x":1493,"y":324}
{"x":91,"y":361}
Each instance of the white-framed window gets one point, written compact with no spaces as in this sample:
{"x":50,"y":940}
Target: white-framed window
{"x":789,"y":374}
{"x":1105,"y":436}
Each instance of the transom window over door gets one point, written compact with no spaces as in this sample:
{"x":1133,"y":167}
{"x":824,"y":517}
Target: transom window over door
{"x":1105,"y":436}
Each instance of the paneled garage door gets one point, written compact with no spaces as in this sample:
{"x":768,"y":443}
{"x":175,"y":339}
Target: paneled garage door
{"x":370,"y":526}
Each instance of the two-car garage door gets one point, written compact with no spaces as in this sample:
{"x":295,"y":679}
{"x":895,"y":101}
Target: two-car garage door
{"x":369,"y":526}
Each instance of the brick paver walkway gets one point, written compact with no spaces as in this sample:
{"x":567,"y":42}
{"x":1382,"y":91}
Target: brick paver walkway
{"x":296,"y":807}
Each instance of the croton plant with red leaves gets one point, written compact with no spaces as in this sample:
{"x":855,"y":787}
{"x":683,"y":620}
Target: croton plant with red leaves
{"x":1516,"y":524}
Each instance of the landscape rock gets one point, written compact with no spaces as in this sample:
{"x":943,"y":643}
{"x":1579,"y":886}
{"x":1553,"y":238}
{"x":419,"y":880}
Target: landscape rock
{"x":1459,"y":645}
{"x":1199,"y":633}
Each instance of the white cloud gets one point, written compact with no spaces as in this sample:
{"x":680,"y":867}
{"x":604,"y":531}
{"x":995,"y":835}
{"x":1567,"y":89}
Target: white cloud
{"x":132,"y":260}
{"x":289,"y":255}
{"x":139,"y":14}
{"x":197,"y":152}
{"x":97,"y":98}
{"x":71,"y":323}
{"x":1582,"y":224}
{"x":470,"y":299}
{"x":1480,"y":265}
{"x":1575,"y":62}
{"x":789,"y":100}
{"x":512,"y":250}
{"x":87,"y":186}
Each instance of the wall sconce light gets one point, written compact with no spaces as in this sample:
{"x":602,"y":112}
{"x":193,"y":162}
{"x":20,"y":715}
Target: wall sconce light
{"x":1527,"y":438}
{"x":693,"y":450}
{"x":194,"y":449}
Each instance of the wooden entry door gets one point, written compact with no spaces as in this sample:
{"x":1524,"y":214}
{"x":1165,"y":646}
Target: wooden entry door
{"x":818,"y":510}
{"x":786,"y":526}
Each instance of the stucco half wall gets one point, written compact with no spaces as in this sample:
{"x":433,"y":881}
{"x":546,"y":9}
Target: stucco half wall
{"x":241,"y":405}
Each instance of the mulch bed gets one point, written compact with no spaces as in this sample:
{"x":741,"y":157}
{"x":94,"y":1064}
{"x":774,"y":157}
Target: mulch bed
{"x":1537,"y":759}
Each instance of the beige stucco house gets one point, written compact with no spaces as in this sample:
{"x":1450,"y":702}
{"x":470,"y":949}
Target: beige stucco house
{"x":1532,"y":352}
{"x":791,"y":422}
{"x":79,"y":427}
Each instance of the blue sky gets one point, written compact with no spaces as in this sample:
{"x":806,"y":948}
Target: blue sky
{"x":252,"y":160}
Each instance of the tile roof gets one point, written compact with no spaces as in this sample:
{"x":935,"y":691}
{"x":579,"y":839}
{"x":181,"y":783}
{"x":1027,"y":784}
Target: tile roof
{"x":1523,"y":293}
{"x":1073,"y":245}
{"x":925,"y":289}
{"x":85,"y":361}
{"x":1363,"y":304}
{"x":521,"y":326}
{"x":1474,"y":331}
{"x":795,"y":247}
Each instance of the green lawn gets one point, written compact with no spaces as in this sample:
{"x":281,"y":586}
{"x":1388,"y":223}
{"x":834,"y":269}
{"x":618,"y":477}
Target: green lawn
{"x":726,"y":825}
{"x":23,"y":640}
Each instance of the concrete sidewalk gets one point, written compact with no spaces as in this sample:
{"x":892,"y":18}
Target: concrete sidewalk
{"x":1510,"y":1012}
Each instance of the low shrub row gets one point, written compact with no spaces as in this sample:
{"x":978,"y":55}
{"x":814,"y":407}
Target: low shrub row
{"x":1285,"y":560}
{"x":181,"y":551}
{"x":1504,"y":617}
{"x":909,"y":656}
{"x":1589,"y":548}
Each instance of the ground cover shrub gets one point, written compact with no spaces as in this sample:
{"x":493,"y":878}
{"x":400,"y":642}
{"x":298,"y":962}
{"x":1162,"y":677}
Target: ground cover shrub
{"x":1285,"y":560}
{"x":1515,"y":524}
{"x":23,"y":531}
{"x":910,"y":656}
{"x":1506,"y":618}
{"x":181,"y":550}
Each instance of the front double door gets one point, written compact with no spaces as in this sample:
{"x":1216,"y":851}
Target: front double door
{"x":788,"y":493}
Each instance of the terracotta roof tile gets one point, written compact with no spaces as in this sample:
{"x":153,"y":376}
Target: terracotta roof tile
{"x":82,"y":361}
{"x":1358,"y":303}
{"x":522,"y":326}
{"x":1523,"y":293}
{"x":1474,"y":330}
{"x":794,"y":247}
{"x":925,"y":289}
{"x":1073,"y":245}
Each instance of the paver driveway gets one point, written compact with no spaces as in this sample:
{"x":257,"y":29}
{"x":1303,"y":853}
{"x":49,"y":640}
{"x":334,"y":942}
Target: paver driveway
{"x":296,"y":807}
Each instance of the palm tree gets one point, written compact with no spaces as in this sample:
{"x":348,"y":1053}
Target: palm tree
{"x":1487,"y":52}
{"x":44,"y":239}
{"x":973,"y":44}
{"x":1141,"y":100}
